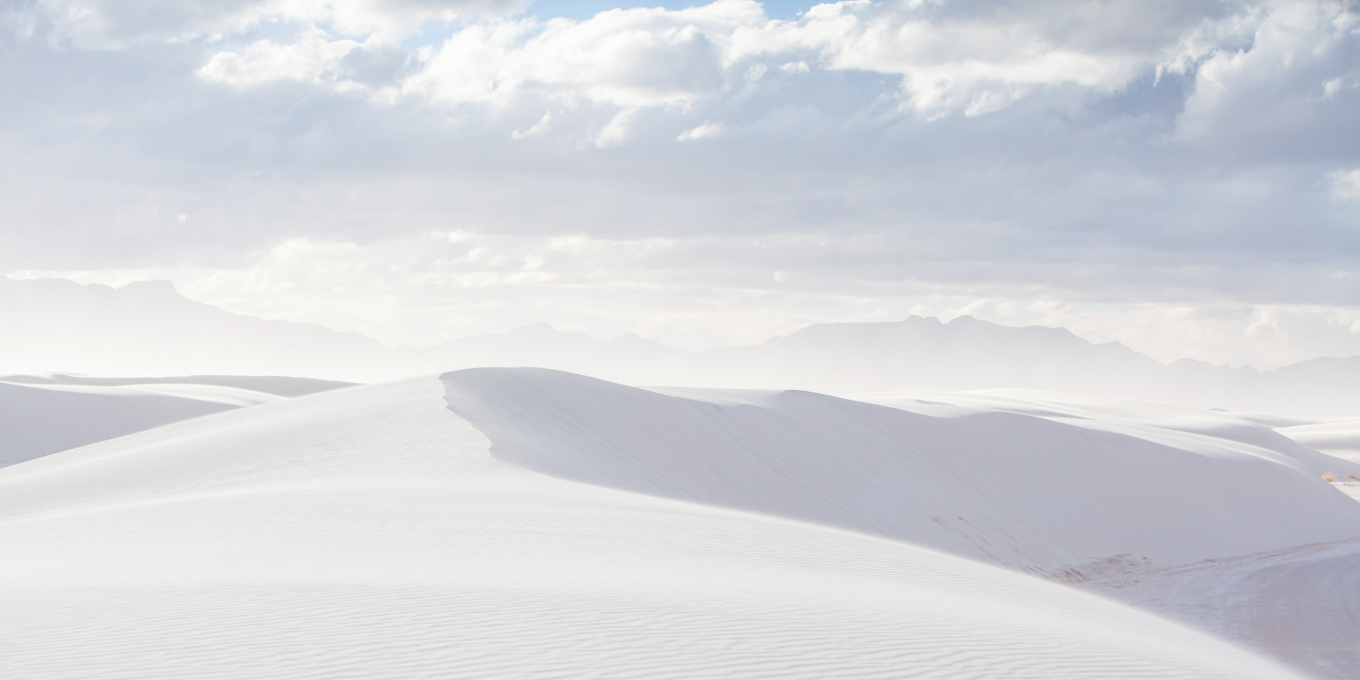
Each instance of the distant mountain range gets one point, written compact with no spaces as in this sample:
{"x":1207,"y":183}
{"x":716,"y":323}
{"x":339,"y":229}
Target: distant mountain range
{"x":149,"y":329}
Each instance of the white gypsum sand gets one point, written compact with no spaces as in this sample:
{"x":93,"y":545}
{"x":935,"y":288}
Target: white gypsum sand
{"x":42,"y":414}
{"x":277,"y":385}
{"x":370,"y":532}
{"x":1340,"y":439}
{"x":1017,"y":489}
{"x":36,"y":420}
{"x":1132,"y":488}
{"x":1299,"y":604}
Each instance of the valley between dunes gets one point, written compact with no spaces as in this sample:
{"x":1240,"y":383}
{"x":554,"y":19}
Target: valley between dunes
{"x":526,"y":523}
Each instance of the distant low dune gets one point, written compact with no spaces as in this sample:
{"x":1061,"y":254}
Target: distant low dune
{"x":45,"y":414}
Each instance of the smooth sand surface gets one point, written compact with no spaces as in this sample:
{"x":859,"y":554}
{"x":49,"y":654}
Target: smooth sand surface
{"x":370,"y":532}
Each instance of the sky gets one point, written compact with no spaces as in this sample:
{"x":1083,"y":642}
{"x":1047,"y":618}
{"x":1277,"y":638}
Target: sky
{"x":1181,"y":176}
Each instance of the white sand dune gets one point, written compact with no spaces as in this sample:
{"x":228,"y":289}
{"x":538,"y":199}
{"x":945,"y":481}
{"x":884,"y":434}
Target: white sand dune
{"x":370,"y":533}
{"x":1198,"y":430}
{"x":36,"y":420}
{"x":1303,"y":606}
{"x":278,"y":385}
{"x":1037,"y":489}
{"x":1340,"y":439}
{"x":43,"y":414}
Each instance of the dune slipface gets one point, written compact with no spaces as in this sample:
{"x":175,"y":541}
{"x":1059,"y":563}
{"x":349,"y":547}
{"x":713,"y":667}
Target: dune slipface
{"x":1039,"y":494}
{"x":370,"y":533}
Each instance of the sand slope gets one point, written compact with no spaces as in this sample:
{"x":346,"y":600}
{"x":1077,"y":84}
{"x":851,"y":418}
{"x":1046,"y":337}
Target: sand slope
{"x":1205,"y":431}
{"x":36,"y":420}
{"x":1340,"y":439}
{"x":1302,"y":606}
{"x":369,"y":533}
{"x":42,"y":414}
{"x":282,"y":386}
{"x":1011,"y":488}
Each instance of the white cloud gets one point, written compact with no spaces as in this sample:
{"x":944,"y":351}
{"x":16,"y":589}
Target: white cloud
{"x":1345,"y":184}
{"x":1108,"y":152}
{"x":314,"y":60}
{"x":946,"y":58}
{"x":625,"y":58}
{"x":1289,"y":80}
{"x":616,"y":132}
{"x":536,"y":130}
{"x":977,"y":57}
{"x":707,"y":130}
{"x":950,"y":57}
{"x":970,"y":62}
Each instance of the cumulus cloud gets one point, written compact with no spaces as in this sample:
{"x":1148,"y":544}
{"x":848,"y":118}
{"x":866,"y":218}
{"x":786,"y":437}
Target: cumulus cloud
{"x":976,"y":58}
{"x":1292,"y":90}
{"x":847,"y":163}
{"x":311,"y":60}
{"x":625,"y":58}
{"x":946,"y":58}
{"x":950,"y":57}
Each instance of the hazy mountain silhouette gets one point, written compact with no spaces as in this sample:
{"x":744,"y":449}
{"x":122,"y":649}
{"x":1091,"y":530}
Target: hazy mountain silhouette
{"x":149,"y":329}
